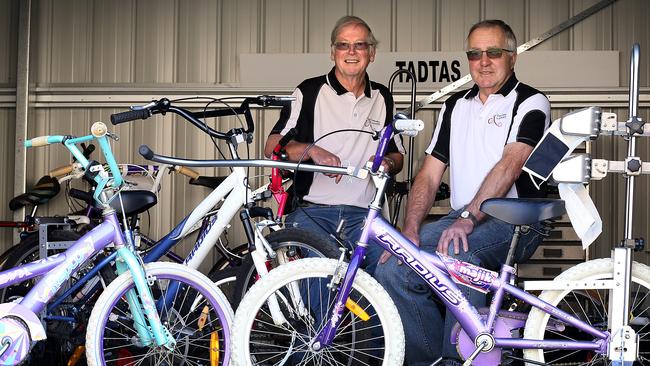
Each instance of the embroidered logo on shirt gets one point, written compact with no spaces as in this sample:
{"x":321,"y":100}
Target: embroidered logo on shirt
{"x":497,"y":119}
{"x":373,"y":124}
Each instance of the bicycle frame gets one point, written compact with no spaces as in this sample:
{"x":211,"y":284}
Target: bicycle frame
{"x":433,"y":270}
{"x":57,"y":269}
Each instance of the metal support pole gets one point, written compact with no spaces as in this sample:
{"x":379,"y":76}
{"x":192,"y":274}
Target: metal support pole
{"x":391,"y":81}
{"x":629,"y":197}
{"x":631,"y":147}
{"x":22,"y":102}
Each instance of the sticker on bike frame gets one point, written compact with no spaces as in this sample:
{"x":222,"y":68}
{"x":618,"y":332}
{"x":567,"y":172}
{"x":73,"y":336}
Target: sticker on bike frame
{"x":419,"y":268}
{"x":468,"y":274}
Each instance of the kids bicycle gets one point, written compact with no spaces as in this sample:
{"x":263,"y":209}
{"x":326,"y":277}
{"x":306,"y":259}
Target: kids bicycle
{"x":66,"y":315}
{"x":597,"y":312}
{"x":164,"y":308}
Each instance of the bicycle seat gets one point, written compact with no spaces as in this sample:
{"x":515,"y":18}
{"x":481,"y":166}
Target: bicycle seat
{"x":46,"y":188}
{"x":135,"y":202}
{"x":210,"y":182}
{"x":523,"y":211}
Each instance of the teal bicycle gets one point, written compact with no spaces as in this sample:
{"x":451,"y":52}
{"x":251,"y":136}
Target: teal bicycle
{"x":158,"y":313}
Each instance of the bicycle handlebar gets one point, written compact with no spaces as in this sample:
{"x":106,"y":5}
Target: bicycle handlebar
{"x":148,"y":154}
{"x":61,"y":171}
{"x":44,"y":140}
{"x":188,"y":172}
{"x":99,"y":132}
{"x":164,"y":105}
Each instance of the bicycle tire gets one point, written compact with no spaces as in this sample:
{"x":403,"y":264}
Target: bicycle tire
{"x":583,"y":304}
{"x":6,"y":253}
{"x":366,"y":292}
{"x":109,"y":320}
{"x":292,"y":243}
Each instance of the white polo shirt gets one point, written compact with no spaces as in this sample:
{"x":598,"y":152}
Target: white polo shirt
{"x":323,"y":106}
{"x":470,"y":136}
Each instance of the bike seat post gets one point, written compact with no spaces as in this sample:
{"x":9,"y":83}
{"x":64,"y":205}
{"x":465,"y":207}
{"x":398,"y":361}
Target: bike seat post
{"x":513,"y":246}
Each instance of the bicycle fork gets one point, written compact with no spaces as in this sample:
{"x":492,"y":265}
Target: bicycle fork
{"x":342,"y":301}
{"x":141,"y":303}
{"x":260,"y":255}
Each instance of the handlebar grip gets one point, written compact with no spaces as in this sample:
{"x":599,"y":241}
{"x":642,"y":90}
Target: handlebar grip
{"x":288,"y":137}
{"x":37,"y":141}
{"x":60,"y":171}
{"x":128,"y":116}
{"x":188,"y":172}
{"x":408,"y":125}
{"x":146,"y":152}
{"x":277,"y":101}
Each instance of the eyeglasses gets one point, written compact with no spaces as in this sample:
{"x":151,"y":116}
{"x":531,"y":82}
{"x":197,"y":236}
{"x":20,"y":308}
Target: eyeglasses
{"x":358,"y":46}
{"x":492,"y":52}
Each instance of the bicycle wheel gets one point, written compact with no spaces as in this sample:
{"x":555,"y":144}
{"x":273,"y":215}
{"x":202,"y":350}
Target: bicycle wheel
{"x":591,"y":306}
{"x":377,"y":340}
{"x":199,"y":319}
{"x":289,"y":244}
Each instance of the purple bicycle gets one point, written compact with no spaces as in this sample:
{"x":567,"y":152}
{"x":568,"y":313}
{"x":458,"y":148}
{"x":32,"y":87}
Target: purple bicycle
{"x":151,"y":314}
{"x":324,"y":312}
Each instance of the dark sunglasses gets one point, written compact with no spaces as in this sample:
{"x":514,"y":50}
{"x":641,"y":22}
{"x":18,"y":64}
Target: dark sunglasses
{"x":492,"y":52}
{"x":358,"y":46}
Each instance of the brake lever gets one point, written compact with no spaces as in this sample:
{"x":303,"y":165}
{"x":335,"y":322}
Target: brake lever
{"x":141,"y":107}
{"x":113,"y":136}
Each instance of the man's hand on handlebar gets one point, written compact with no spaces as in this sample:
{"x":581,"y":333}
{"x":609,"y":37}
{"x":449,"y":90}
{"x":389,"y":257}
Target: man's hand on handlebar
{"x":321,"y":156}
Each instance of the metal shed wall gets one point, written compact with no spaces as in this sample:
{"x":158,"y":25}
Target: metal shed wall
{"x":90,"y":58}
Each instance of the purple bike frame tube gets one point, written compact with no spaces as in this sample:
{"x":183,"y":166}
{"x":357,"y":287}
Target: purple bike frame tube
{"x":74,"y":258}
{"x":328,"y":332}
{"x":431,"y":269}
{"x":599,"y":345}
{"x":383,"y":146}
{"x":553,"y":311}
{"x":27,"y":271}
{"x":501,"y":286}
{"x":497,"y":298}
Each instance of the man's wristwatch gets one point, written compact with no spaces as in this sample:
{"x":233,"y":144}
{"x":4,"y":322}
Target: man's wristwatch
{"x":468,"y":215}
{"x":390,"y":162}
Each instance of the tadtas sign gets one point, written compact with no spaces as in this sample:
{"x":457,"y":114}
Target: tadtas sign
{"x":434,"y":70}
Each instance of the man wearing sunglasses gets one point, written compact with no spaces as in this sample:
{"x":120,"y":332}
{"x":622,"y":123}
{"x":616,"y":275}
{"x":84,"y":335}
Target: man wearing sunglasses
{"x":483,"y":136}
{"x":344,"y":99}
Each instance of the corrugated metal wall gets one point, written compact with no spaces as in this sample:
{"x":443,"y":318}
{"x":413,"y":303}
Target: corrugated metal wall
{"x":8,"y":49}
{"x":92,"y":58}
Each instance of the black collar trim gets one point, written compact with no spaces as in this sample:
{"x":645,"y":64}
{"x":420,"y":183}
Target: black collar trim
{"x":340,"y":90}
{"x":510,"y":84}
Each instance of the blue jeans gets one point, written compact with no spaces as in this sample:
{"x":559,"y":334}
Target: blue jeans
{"x":325,"y":219}
{"x":488,"y":248}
